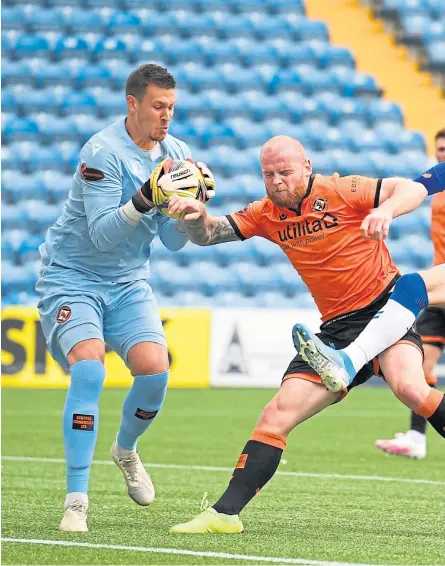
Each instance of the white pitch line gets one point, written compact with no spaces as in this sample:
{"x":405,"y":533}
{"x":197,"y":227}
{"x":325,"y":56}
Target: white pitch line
{"x":183,"y":552}
{"x":221,"y":469}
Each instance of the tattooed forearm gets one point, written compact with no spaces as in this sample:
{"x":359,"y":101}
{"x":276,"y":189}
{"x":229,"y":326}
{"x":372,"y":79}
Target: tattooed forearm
{"x":208,"y":230}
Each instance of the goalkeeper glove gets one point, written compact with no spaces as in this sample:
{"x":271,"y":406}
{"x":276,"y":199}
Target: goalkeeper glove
{"x":162,"y":182}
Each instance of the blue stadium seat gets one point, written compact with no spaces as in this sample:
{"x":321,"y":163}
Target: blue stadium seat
{"x":329,"y":56}
{"x":436,"y":56}
{"x":92,"y":76}
{"x":44,"y":158}
{"x":287,"y":80}
{"x":286,"y":6}
{"x":41,"y":215}
{"x":412,"y":28}
{"x":342,"y":109}
{"x":17,"y":186}
{"x":227,"y":28}
{"x":16,"y":72}
{"x":79,"y":102}
{"x":124,"y":22}
{"x":29,"y":249}
{"x":46,"y":19}
{"x":21,"y":129}
{"x":267,"y":253}
{"x":384,"y":111}
{"x":55,"y":187}
{"x":54,"y":74}
{"x":30,"y":45}
{"x":290,"y":53}
{"x":323,"y":162}
{"x":44,"y":100}
{"x":352,"y":83}
{"x":318,"y":81}
{"x":78,"y":20}
{"x":109,"y":47}
{"x":13,"y":17}
{"x":68,"y":47}
{"x":13,"y":218}
{"x":311,"y":30}
{"x":264,"y":26}
{"x":8,"y":43}
{"x":16,"y":279}
{"x":255,"y":53}
{"x":247,"y":134}
{"x":393,"y":8}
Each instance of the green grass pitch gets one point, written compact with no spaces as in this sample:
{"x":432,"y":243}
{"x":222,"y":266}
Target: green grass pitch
{"x":318,"y":518}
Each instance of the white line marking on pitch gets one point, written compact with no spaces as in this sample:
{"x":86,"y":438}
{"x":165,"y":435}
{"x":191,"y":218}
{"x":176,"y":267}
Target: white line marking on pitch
{"x":221,"y":469}
{"x":184,"y":552}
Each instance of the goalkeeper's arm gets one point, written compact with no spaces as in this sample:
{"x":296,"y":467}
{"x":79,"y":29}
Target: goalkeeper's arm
{"x":203,"y":229}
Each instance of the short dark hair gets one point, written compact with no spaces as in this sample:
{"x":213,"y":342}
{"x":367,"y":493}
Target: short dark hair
{"x":145,"y":75}
{"x":440,"y":134}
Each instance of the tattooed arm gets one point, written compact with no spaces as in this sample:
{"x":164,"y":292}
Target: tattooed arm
{"x":209,"y":230}
{"x":203,"y":229}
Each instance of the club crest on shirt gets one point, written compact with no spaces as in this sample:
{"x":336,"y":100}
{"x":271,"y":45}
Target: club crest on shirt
{"x":319,"y":204}
{"x":63,"y":315}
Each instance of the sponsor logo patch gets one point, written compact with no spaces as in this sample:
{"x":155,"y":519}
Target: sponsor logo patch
{"x":319,"y":204}
{"x":427,"y":175}
{"x":64,"y":314}
{"x":91,"y":174}
{"x":145,"y":415}
{"x":283,"y":216}
{"x":241,"y":461}
{"x":83,"y":422}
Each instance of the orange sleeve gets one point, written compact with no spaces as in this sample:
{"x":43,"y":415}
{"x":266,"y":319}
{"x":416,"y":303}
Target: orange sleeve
{"x":361,"y":193}
{"x":247,"y":222}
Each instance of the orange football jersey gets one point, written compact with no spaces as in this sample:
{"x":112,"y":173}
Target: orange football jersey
{"x":438,"y":227}
{"x":322,"y":239}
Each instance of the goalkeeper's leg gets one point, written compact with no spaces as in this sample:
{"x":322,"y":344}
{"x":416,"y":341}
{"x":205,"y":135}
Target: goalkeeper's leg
{"x":72,"y":326}
{"x":133,"y":328}
{"x":80,"y":426}
{"x":296,"y":401}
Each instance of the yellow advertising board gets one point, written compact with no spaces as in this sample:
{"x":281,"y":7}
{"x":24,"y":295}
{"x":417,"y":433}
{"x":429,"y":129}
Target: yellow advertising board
{"x":26,"y":361}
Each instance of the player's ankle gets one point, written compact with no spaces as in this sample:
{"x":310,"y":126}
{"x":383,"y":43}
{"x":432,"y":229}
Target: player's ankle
{"x":75,"y":496}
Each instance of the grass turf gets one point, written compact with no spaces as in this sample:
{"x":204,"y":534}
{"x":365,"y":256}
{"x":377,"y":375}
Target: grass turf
{"x":318,"y":518}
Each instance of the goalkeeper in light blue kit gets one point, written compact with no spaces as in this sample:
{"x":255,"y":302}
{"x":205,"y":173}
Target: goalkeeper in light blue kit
{"x":94,"y":279}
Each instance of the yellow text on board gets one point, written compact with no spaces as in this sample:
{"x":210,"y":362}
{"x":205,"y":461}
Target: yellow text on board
{"x":26,"y":361}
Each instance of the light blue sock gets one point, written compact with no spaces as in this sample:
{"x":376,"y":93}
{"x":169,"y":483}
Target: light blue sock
{"x":141,"y":406}
{"x":81,"y":421}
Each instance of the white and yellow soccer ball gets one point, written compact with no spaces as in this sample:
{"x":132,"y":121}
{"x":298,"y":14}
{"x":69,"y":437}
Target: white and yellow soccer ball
{"x":180,"y":177}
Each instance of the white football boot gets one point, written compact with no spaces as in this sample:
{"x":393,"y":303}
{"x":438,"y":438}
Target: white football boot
{"x":139,"y":485}
{"x":76,"y":513}
{"x":411,"y":444}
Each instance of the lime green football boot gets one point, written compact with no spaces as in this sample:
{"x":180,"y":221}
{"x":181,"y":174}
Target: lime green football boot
{"x":210,"y":521}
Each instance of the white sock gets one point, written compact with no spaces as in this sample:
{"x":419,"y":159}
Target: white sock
{"x":75,"y":496}
{"x":385,"y":329}
{"x":416,"y":436}
{"x":123,"y":452}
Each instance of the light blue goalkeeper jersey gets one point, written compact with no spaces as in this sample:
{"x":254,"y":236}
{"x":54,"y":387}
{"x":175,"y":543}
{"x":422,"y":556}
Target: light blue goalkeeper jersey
{"x":91,"y":236}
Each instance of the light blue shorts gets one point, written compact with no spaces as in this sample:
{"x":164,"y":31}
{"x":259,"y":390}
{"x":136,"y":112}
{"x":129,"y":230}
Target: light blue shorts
{"x":74,"y":308}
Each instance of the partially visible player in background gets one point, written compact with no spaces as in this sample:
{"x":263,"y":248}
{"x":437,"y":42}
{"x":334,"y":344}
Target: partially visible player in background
{"x":94,"y":284}
{"x":431,"y":327}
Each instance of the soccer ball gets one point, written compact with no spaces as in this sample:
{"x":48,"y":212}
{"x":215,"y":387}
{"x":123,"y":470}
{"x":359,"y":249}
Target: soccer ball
{"x":185,"y":170}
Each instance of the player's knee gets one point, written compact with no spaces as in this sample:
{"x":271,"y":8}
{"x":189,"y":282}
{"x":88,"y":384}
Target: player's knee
{"x":411,"y":394}
{"x":92,"y":349}
{"x":270,"y":416}
{"x":148,"y":358}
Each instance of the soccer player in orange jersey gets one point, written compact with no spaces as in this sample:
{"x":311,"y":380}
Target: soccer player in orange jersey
{"x":316,"y":221}
{"x":431,"y":326}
